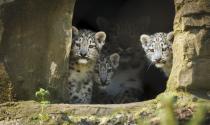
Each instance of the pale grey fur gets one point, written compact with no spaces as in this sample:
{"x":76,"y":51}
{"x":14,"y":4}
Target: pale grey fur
{"x":158,"y":49}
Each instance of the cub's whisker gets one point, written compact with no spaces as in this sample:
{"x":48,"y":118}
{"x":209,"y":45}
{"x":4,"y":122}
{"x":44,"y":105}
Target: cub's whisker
{"x":149,"y":66}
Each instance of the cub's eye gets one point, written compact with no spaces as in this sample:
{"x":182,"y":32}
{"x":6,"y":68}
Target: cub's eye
{"x":151,"y":50}
{"x":109,"y":70}
{"x":77,"y":44}
{"x":91,"y":46}
{"x":89,"y":40}
{"x":164,"y":49}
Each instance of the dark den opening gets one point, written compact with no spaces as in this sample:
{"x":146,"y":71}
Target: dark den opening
{"x":124,"y":21}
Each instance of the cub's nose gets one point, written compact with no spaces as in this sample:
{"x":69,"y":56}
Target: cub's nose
{"x":158,"y":60}
{"x":103,"y":82}
{"x":83,"y":54}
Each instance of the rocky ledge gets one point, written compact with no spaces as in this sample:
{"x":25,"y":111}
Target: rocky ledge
{"x":180,"y":109}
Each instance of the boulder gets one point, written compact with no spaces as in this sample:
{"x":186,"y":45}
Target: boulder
{"x":191,"y":48}
{"x":36,"y":44}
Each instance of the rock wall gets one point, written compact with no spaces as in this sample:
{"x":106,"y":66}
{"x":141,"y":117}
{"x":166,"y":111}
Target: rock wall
{"x":6,"y":87}
{"x":191,"y":46}
{"x":36,"y":44}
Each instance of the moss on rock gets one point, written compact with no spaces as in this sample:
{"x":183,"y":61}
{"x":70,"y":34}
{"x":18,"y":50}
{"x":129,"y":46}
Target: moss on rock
{"x":6,"y":87}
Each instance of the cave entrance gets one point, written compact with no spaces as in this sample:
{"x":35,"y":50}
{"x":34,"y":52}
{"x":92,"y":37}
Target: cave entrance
{"x":123,"y":19}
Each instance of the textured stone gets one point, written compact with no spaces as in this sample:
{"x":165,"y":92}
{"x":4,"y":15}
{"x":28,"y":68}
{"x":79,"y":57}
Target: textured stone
{"x":6,"y":87}
{"x":119,"y":114}
{"x":191,"y":46}
{"x":36,"y":44}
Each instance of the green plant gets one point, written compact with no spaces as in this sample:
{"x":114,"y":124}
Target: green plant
{"x":167,"y":116}
{"x":42,"y":96}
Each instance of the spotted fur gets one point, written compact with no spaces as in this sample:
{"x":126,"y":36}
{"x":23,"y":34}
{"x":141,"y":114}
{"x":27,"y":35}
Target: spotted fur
{"x":106,"y":68}
{"x":86,"y":46}
{"x":158,"y":49}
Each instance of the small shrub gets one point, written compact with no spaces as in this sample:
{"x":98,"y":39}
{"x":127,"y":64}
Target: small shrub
{"x":42,"y":96}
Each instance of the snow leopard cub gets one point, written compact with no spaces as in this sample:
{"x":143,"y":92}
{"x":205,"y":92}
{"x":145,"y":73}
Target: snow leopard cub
{"x":122,"y":38}
{"x":158,"y":49}
{"x":105,"y":68}
{"x":85,"y":50}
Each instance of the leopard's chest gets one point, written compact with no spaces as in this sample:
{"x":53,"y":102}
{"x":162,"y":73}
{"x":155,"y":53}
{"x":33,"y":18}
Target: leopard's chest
{"x":79,"y":72}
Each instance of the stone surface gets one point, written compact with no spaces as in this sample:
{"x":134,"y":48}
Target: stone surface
{"x":191,"y":46}
{"x":6,"y":87}
{"x":5,"y":1}
{"x":119,"y":114}
{"x":36,"y":44}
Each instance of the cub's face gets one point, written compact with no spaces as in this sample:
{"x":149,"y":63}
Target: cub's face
{"x":158,"y":47}
{"x":86,"y":44}
{"x":106,"y":68}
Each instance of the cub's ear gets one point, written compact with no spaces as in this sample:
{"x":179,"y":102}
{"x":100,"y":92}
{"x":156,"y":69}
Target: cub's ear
{"x":144,"y":39}
{"x":100,"y":38}
{"x":115,"y":59}
{"x":75,"y":31}
{"x":170,"y":36}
